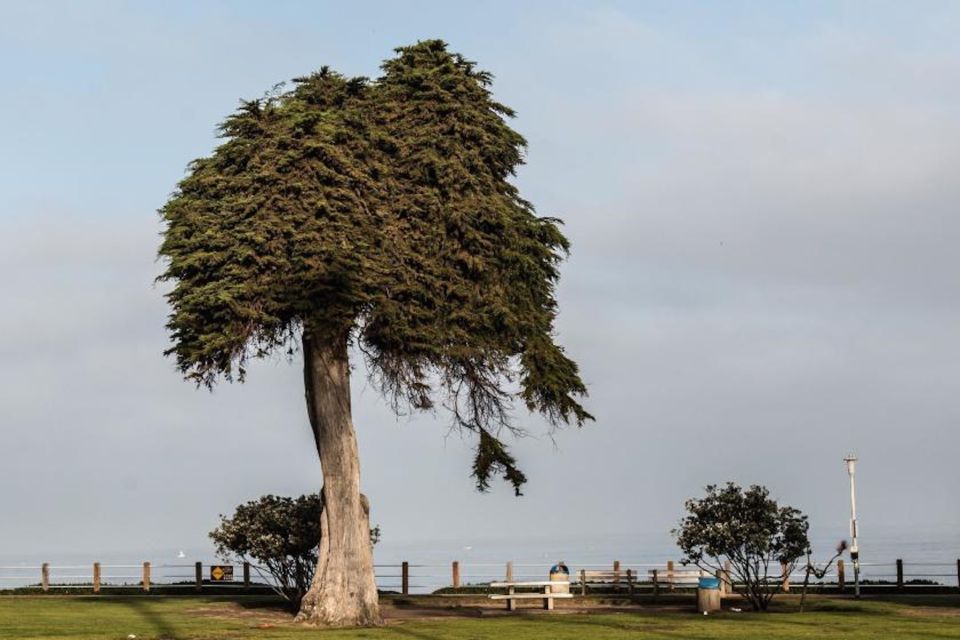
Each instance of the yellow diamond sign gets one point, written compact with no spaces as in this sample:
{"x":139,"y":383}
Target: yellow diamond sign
{"x":221,"y":573}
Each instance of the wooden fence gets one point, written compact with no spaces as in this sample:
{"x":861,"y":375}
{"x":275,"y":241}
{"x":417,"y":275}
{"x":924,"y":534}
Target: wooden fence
{"x":407,"y":578}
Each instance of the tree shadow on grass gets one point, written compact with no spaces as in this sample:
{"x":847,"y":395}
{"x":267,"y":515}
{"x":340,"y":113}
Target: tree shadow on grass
{"x":932,"y":600}
{"x":628,"y":624}
{"x":159,"y":624}
{"x":157,"y":621}
{"x":265,"y":603}
{"x":401,"y":630}
{"x":247,"y":609}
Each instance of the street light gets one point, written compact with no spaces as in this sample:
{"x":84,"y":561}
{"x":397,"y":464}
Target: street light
{"x":851,"y":461}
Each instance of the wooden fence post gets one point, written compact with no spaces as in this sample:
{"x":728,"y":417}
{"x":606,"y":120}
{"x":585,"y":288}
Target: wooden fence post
{"x":616,"y":571}
{"x":146,"y":577}
{"x":510,"y":571}
{"x":246,"y":576}
{"x":656,"y":584}
{"x":455,"y":570}
{"x":199,"y":575}
{"x":958,"y":573}
{"x":670,"y":573}
{"x":45,"y":576}
{"x":630,"y":581}
{"x":583,"y":580}
{"x":727,"y":580}
{"x":723,"y":583}
{"x":899,"y":573}
{"x":841,"y":576}
{"x":96,"y":577}
{"x":785,"y":584}
{"x":405,"y":578}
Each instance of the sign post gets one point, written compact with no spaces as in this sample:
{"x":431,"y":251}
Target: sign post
{"x":851,"y":461}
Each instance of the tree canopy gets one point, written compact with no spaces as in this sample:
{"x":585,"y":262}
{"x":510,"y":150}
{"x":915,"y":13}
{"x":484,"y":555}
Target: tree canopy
{"x":748,"y":528}
{"x":382,"y":212}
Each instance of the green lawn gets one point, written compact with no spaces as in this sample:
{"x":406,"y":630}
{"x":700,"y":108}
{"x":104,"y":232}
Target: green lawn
{"x":155,"y":618}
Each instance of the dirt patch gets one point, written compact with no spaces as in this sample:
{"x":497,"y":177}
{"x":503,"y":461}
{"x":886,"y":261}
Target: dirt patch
{"x":929,"y":612}
{"x":234,"y":611}
{"x":264,"y":616}
{"x":399,"y":613}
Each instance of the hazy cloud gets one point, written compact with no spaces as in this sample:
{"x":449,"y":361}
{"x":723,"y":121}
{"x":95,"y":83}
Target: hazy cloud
{"x":764,"y":272}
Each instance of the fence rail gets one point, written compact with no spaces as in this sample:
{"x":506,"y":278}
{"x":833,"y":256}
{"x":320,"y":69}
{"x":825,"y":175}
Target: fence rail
{"x":407,"y":578}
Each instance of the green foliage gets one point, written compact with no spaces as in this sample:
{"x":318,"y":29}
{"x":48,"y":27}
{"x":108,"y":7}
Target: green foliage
{"x":749,"y":529}
{"x":281,"y":534}
{"x":382,"y":210}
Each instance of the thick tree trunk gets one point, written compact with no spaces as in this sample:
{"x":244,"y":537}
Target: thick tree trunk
{"x":343,"y":592}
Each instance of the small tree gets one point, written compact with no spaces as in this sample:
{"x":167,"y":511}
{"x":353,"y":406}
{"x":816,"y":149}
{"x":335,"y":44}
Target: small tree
{"x":751,"y":531}
{"x":281,"y":534}
{"x":818,"y":571}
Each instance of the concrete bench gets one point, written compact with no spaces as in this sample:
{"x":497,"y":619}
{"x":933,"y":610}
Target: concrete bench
{"x":627,"y":579}
{"x":608,"y":579}
{"x":548,"y":592}
{"x":673,"y":578}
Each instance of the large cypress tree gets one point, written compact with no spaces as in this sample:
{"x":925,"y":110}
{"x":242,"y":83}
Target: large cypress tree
{"x":379,"y":215}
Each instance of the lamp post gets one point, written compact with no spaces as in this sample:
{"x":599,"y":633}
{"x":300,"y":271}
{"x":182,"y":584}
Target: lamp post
{"x":851,"y":461}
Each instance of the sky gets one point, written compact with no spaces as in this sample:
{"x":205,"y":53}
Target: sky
{"x":761,"y":199}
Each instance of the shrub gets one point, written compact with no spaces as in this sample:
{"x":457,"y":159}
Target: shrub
{"x":748,"y":529}
{"x":281,"y":534}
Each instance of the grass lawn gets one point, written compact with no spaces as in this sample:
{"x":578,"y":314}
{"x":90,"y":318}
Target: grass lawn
{"x":173,"y":618}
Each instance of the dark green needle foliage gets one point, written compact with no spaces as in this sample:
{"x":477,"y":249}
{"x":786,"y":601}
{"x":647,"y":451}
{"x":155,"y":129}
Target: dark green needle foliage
{"x":383,"y":210}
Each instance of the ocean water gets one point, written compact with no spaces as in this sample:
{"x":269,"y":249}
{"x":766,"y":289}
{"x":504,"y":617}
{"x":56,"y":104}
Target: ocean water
{"x":926,"y":555}
{"x":931,"y":555}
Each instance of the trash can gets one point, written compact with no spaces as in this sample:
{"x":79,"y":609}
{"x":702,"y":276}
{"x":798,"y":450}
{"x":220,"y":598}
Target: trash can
{"x":560,"y":572}
{"x":708,"y":594}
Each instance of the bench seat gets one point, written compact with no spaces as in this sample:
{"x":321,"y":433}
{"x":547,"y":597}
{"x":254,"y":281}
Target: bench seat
{"x":522,"y":596}
{"x":545,"y":593}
